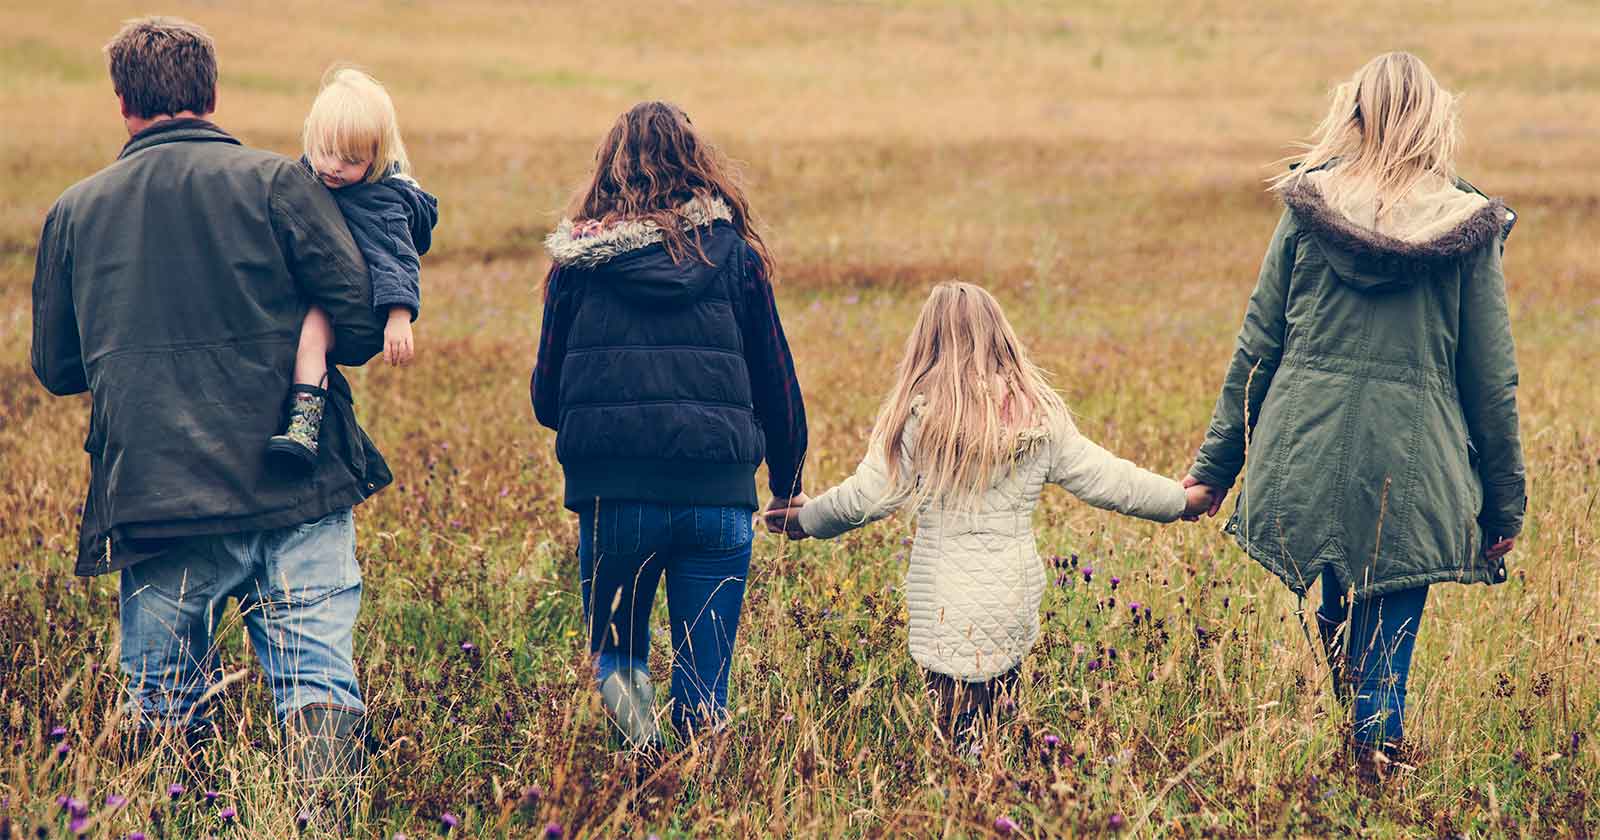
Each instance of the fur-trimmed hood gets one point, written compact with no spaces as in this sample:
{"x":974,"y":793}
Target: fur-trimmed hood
{"x":1436,"y":222}
{"x":587,"y":243}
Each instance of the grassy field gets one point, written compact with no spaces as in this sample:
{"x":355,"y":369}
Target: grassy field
{"x":1098,"y":165}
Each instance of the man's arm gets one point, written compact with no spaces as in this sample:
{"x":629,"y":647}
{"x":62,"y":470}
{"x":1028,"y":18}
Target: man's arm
{"x":326,"y":264}
{"x":57,"y":354}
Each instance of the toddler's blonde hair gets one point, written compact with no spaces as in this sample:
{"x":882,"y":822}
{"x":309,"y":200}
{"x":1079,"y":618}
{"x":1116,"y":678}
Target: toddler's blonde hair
{"x":981,"y":394}
{"x":351,"y":118}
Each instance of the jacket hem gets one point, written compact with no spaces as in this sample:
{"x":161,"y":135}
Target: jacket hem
{"x":1299,"y":584}
{"x":662,"y":482}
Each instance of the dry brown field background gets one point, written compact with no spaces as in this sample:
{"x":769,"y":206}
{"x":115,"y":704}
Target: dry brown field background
{"x":1099,"y":166}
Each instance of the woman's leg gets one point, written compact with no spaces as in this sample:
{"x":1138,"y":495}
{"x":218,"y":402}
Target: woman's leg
{"x":1382,"y":634}
{"x":1331,"y":618}
{"x":620,"y":560}
{"x":705,"y":596}
{"x":316,"y":341}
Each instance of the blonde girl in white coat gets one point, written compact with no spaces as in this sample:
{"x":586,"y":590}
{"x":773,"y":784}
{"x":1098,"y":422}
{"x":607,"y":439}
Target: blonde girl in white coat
{"x":968,"y":437}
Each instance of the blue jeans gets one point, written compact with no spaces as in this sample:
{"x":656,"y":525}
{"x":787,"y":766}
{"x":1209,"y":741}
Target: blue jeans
{"x":299,"y":589}
{"x":1376,"y":645}
{"x":624,"y":549}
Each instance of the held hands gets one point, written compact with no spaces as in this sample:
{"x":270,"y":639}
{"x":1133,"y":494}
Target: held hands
{"x":782,"y":516}
{"x":1201,"y":498}
{"x":398,"y":347}
{"x":1500,"y":548}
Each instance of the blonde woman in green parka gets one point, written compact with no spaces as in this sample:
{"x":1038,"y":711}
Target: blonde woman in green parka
{"x":1374,"y":387}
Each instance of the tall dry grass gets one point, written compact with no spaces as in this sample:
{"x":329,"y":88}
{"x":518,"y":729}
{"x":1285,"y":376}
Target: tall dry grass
{"x":1100,"y":167}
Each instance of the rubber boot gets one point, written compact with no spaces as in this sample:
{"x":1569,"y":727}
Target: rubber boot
{"x":298,"y":444}
{"x":328,"y":752}
{"x":630,"y":699}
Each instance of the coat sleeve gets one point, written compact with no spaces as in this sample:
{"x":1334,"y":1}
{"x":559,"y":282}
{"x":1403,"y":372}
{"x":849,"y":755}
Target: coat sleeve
{"x":1256,"y":354}
{"x":326,"y":264}
{"x":397,"y":270}
{"x":1486,"y":377}
{"x":1084,"y":469}
{"x":544,"y":388}
{"x":57,"y":354}
{"x":861,"y":499}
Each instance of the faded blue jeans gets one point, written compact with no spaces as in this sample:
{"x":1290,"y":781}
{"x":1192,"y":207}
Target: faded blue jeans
{"x":624,"y":550}
{"x":299,"y":589}
{"x":1377,"y":639}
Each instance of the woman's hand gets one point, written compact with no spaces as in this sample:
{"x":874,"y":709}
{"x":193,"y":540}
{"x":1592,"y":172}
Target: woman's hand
{"x":1217,"y":496}
{"x":398,"y":349}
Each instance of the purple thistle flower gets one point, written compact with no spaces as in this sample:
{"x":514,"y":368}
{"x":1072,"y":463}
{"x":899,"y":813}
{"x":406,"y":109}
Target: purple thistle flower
{"x":211,"y":796}
{"x":468,"y":647}
{"x":1004,"y":824}
{"x":229,"y":813}
{"x":174,"y":790}
{"x":1117,"y":822}
{"x":58,"y":733}
{"x":1111,"y":653}
{"x":1094,"y":664}
{"x":1133,"y":606}
{"x":302,"y":819}
{"x":62,"y":749}
{"x":401,"y":837}
{"x":62,"y":800}
{"x":1115,"y":581}
{"x":1088,"y":574}
{"x":114,"y":800}
{"x":1051,"y":741}
{"x":134,"y":835}
{"x":449,"y":821}
{"x":553,"y":830}
{"x":78,"y":825}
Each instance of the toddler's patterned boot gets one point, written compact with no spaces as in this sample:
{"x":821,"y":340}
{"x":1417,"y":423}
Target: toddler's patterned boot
{"x":298,"y":444}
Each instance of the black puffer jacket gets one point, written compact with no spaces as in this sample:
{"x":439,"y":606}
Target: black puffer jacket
{"x":171,"y":286}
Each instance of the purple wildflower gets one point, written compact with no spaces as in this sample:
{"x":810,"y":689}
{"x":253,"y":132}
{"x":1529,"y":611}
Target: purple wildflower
{"x":449,"y":821}
{"x":134,"y":835}
{"x":1004,"y":824}
{"x":468,"y":647}
{"x":114,"y":800}
{"x":302,"y":819}
{"x":1051,"y":741}
{"x":229,"y":813}
{"x":211,"y":796}
{"x":1094,"y":664}
{"x":78,"y":825}
{"x":1117,"y":822}
{"x":58,"y":733}
{"x":1115,"y":581}
{"x":174,"y":790}
{"x":62,"y":749}
{"x":553,"y":830}
{"x":1088,"y":574}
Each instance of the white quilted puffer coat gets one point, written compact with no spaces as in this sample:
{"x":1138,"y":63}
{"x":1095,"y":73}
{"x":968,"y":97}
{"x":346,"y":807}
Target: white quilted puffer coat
{"x":976,"y":579}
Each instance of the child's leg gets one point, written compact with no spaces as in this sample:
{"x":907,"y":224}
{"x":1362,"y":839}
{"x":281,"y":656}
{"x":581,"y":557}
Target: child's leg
{"x":316,"y":340}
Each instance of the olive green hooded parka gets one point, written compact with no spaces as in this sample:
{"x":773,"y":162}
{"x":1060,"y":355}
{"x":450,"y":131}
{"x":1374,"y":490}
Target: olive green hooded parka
{"x":1373,"y":386}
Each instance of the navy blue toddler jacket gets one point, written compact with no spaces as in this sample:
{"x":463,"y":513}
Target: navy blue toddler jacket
{"x":392,"y":222}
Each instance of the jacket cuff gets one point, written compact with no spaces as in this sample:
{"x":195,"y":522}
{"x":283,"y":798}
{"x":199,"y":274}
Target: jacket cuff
{"x":1210,"y":476}
{"x":816,"y":522}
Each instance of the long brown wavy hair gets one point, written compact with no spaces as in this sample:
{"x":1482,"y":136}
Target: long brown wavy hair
{"x":650,"y":165}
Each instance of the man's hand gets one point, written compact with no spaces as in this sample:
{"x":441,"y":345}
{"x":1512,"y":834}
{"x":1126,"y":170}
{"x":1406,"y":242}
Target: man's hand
{"x":398,"y":348}
{"x":1197,"y":500}
{"x":782,"y":516}
{"x":1190,"y":482}
{"x":1500,"y":548}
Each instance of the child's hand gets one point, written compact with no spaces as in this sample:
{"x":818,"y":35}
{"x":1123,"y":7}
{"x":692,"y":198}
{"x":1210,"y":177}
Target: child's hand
{"x":1198,"y":499}
{"x":398,"y":348}
{"x":1189,"y":485}
{"x":782,"y":516}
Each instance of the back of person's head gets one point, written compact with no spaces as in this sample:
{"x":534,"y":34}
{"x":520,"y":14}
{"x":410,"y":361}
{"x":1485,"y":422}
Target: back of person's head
{"x":1388,"y":128}
{"x":353,"y":120}
{"x":161,"y":66}
{"x":651,"y":163}
{"x":981,"y":395}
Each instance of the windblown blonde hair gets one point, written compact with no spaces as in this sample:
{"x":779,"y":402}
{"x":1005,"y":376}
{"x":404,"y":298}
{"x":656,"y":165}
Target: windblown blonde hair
{"x":1388,"y":128}
{"x":982,"y":397}
{"x":353,"y":118}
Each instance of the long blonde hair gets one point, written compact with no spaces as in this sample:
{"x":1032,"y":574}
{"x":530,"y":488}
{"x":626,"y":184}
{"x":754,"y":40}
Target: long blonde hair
{"x":1388,"y":128}
{"x":981,"y":398}
{"x":351,"y":118}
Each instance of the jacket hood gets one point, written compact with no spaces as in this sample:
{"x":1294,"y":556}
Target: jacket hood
{"x":1436,"y":222}
{"x":627,"y":252}
{"x":421,"y":206}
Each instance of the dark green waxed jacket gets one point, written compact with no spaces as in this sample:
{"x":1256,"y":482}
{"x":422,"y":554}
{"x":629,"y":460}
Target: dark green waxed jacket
{"x":171,"y":286}
{"x":1373,"y":386}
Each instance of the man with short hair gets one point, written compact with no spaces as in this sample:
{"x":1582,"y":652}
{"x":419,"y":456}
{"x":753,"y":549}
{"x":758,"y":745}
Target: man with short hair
{"x":171,"y":286}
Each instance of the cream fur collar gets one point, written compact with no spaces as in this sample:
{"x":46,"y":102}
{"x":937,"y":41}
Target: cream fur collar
{"x":587,"y":243}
